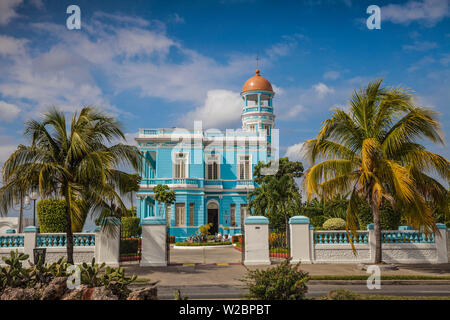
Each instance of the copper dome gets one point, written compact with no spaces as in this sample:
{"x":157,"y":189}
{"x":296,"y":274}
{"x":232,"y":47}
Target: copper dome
{"x":257,"y":83}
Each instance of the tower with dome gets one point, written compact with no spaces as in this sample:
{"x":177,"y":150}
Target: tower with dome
{"x":211,"y":171}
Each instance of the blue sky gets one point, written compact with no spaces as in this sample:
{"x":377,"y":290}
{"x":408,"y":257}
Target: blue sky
{"x":168,"y":63}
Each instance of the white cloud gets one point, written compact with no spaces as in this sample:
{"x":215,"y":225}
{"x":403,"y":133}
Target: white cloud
{"x":331,"y":75}
{"x":322,"y":90}
{"x":296,"y":152}
{"x":11,"y":46}
{"x":428,"y":12}
{"x":8,"y":10}
{"x":221,"y":108}
{"x":421,"y":46}
{"x":292,"y":113}
{"x":8,"y":111}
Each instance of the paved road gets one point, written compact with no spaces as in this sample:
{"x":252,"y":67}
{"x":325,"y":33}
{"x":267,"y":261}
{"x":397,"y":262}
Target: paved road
{"x":221,"y":292}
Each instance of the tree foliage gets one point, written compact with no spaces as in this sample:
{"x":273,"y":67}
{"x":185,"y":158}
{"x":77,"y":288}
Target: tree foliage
{"x":373,"y":152}
{"x":71,"y":160}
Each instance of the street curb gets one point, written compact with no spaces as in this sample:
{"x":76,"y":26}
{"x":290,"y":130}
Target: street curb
{"x":383,"y":282}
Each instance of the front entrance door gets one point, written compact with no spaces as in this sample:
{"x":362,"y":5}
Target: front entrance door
{"x":213,"y":217}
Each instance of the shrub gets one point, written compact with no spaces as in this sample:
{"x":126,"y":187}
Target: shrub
{"x":130,"y":227}
{"x":334,"y":224}
{"x":52,"y":215}
{"x":235,"y":238}
{"x":284,"y":282}
{"x":342,"y":294}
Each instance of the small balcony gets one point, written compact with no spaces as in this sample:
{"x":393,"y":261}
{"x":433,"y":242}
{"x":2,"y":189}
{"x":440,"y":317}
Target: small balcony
{"x":213,"y":184}
{"x":171,"y":182}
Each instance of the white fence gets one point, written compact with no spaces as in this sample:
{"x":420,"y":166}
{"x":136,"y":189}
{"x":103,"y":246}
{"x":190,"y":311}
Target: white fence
{"x":104,"y":247}
{"x":310,"y":246}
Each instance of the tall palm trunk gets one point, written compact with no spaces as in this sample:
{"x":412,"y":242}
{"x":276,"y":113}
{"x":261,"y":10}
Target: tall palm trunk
{"x":69,"y":233}
{"x":21,"y":214}
{"x":377,"y":230}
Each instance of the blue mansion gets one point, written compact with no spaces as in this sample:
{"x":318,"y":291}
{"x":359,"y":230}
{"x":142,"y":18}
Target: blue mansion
{"x":210,"y":171}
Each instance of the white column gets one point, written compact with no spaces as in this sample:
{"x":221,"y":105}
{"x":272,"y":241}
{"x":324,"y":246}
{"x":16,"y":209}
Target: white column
{"x":154,"y":248}
{"x":372,"y":242}
{"x":107,"y":244}
{"x":29,"y":241}
{"x":441,"y":243}
{"x":302,"y":245}
{"x":256,"y":241}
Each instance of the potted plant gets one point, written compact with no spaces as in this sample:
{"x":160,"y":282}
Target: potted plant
{"x":226,"y":231}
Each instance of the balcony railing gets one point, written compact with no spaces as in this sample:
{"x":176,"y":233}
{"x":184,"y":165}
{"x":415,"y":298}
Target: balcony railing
{"x":170,"y":181}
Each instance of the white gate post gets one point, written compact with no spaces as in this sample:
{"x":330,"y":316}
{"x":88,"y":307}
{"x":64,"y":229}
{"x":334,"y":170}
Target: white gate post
{"x":256,"y":241}
{"x":29,"y":242}
{"x":107,"y":244}
{"x":154,"y":239}
{"x":372,"y":242}
{"x":441,"y":243}
{"x":301,"y":240}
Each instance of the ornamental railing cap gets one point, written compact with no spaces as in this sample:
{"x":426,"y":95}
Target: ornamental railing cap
{"x":402,"y":228}
{"x":154,"y":221}
{"x":441,"y":226}
{"x":256,"y":220}
{"x":370,"y":226}
{"x":31,"y":229}
{"x":299,"y":220}
{"x":10,"y":231}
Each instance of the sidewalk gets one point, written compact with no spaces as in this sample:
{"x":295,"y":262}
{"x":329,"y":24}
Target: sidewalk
{"x":223,"y":274}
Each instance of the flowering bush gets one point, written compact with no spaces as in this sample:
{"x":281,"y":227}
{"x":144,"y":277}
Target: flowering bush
{"x":277,"y":239}
{"x":334,"y":224}
{"x":284,"y":282}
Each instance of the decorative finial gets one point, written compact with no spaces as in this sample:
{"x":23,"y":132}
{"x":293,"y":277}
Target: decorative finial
{"x":257,"y":72}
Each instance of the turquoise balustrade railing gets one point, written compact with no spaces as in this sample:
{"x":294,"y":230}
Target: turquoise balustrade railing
{"x":15,"y":241}
{"x":60,"y":240}
{"x":340,"y":237}
{"x":406,"y":237}
{"x":170,"y":181}
{"x":245,"y":183}
{"x":213,"y":182}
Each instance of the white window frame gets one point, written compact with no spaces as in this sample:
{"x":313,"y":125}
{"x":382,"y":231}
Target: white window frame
{"x":240,"y":163}
{"x":179,"y":223}
{"x":233,"y":214}
{"x":192,"y":214}
{"x":210,"y":159}
{"x":175,"y":156}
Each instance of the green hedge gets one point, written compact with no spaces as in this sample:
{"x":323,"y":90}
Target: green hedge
{"x":51,"y":215}
{"x":130,"y":227}
{"x":200,"y":244}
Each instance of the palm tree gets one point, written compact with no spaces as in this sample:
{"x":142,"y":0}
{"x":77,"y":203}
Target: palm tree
{"x":373,"y":151}
{"x":73,"y":161}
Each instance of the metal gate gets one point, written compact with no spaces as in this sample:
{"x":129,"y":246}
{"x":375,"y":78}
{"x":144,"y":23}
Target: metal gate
{"x":130,"y":247}
{"x":278,"y":246}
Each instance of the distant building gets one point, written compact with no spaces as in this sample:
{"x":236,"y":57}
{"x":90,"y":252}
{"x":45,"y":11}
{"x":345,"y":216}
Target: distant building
{"x":210,"y":171}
